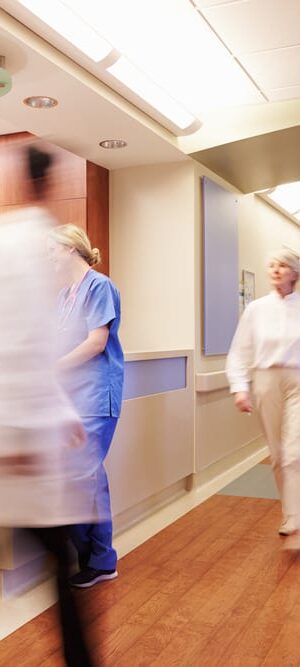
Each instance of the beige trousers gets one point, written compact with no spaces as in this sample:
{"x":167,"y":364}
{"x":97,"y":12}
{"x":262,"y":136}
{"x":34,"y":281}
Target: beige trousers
{"x":277,"y":396}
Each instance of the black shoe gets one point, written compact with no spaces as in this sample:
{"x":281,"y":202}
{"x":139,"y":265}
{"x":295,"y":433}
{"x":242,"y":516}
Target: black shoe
{"x":83,"y":561}
{"x":89,"y":576}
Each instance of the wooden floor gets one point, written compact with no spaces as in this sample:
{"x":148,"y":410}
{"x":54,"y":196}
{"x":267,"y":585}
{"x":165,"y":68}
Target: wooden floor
{"x":214,"y":589}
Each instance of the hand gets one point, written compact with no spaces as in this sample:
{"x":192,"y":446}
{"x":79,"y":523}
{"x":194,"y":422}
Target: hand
{"x":243,"y":401}
{"x":76,"y":435}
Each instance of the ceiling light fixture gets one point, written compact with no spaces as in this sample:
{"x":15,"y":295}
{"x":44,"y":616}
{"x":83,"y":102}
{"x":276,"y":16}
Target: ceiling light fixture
{"x":5,"y":78}
{"x":285,"y":198}
{"x":66,"y":22}
{"x":181,"y":77}
{"x":40,"y":102}
{"x":141,"y":84}
{"x":113,"y":143}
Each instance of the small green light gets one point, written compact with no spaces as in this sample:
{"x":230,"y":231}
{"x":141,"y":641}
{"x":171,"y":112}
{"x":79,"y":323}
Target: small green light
{"x":5,"y":81}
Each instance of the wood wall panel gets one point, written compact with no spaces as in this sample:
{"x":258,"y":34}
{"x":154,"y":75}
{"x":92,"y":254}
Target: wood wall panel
{"x":11,"y":207}
{"x":63,"y":210}
{"x":78,"y":191}
{"x":14,"y":187}
{"x":67,"y":176}
{"x":69,"y":210}
{"x":97,"y":211}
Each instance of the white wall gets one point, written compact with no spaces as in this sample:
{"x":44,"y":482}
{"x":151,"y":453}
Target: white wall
{"x":152,"y":254}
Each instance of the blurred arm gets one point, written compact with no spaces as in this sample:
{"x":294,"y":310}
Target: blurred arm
{"x":94,"y":344}
{"x":240,"y":360}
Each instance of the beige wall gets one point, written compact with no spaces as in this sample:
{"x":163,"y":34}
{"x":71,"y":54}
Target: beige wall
{"x":152,"y":251}
{"x":262,"y":229}
{"x":156,"y":260}
{"x":154,"y":443}
{"x":219,"y":429}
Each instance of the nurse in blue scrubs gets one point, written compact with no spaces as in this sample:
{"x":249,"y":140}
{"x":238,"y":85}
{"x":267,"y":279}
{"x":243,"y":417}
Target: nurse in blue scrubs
{"x":91,"y":365}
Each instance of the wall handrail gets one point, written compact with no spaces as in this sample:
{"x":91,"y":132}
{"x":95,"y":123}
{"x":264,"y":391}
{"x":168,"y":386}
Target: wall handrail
{"x":205,"y":382}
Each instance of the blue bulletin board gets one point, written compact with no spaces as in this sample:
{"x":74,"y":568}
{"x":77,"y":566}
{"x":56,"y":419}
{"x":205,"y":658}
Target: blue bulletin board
{"x":220,"y":267}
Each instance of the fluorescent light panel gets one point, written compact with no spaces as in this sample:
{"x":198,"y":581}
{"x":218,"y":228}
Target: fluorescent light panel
{"x":168,"y":52}
{"x":65,"y":21}
{"x":287,"y":196}
{"x":175,"y":48}
{"x":141,"y":85}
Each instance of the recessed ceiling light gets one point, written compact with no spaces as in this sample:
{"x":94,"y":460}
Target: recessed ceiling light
{"x":113,"y":143}
{"x":40,"y":102}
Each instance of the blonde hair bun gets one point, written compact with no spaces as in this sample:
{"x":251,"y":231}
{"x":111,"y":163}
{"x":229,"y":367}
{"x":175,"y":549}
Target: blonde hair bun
{"x":74,"y":237}
{"x":95,"y":257}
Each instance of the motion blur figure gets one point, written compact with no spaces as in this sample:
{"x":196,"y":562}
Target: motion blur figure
{"x":266,"y":348}
{"x":42,"y":486}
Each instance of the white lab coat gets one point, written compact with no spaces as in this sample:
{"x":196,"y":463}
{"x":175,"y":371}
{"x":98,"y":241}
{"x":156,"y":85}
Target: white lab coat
{"x":52,"y":486}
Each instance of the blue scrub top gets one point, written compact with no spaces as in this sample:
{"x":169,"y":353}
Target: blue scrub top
{"x":94,"y":387}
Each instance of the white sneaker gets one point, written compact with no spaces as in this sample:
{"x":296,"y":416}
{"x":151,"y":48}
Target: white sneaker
{"x":287,"y":526}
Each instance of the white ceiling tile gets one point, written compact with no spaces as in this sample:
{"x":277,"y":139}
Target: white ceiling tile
{"x":282,"y":94}
{"x":210,"y":3}
{"x":274,"y":69}
{"x":255,"y":25}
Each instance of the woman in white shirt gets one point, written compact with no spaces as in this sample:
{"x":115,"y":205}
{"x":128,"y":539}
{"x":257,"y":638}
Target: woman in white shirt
{"x":266,"y":350}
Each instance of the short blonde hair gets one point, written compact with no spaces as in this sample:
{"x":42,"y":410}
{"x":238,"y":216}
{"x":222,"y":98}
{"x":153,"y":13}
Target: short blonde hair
{"x":74,"y":237}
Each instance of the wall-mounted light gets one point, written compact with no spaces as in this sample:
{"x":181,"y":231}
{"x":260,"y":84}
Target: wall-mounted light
{"x":40,"y":102}
{"x":5,"y":78}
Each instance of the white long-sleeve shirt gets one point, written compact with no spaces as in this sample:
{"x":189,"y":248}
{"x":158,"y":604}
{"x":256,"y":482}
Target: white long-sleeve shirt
{"x":44,"y":481}
{"x":268,"y":335}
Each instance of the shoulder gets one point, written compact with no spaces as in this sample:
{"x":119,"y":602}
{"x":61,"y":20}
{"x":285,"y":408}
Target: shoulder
{"x":101,"y":282}
{"x":262,"y":302}
{"x":257,"y":306}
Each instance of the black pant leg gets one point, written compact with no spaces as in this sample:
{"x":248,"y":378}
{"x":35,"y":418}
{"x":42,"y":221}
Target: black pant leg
{"x":75,"y":649}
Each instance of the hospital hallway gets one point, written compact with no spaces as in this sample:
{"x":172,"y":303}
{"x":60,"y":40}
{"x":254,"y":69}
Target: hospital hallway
{"x":212,"y":588}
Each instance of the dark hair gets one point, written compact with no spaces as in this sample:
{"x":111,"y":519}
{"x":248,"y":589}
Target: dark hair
{"x":38,"y":162}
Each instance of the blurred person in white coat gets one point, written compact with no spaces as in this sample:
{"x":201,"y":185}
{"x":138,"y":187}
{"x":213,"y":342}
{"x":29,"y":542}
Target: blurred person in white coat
{"x":266,"y":350}
{"x":44,"y":486}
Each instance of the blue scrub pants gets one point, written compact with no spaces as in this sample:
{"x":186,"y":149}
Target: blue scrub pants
{"x":94,"y":541}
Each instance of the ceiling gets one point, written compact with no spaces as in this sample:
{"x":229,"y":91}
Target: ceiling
{"x":88,"y":111}
{"x":261,"y":36}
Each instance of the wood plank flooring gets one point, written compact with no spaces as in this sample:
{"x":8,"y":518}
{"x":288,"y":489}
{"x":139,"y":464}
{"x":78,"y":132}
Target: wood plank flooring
{"x":212,"y":589}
